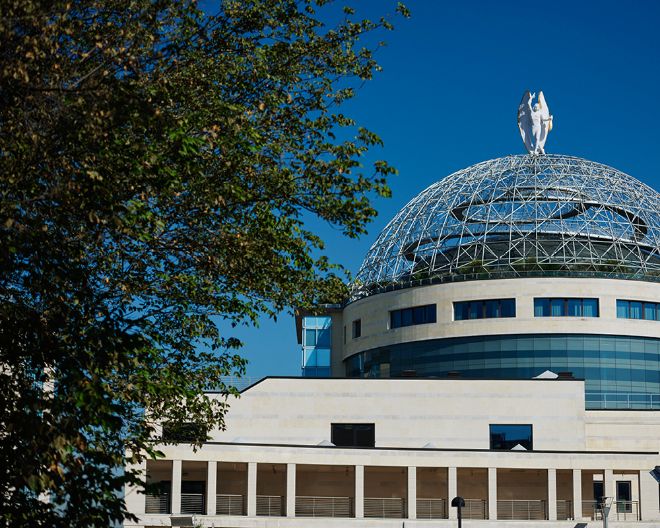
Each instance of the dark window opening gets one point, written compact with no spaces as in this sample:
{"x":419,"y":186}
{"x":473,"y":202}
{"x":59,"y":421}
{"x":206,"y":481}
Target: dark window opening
{"x":413,"y":316}
{"x":162,"y":488}
{"x":623,"y":496}
{"x":193,"y":486}
{"x":599,"y":492}
{"x":484,"y":309}
{"x":187,"y":432}
{"x":357,"y":328}
{"x":510,"y":436}
{"x":353,"y":435}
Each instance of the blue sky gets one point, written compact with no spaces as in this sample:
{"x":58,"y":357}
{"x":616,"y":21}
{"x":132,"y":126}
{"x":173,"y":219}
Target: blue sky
{"x":453,"y":76}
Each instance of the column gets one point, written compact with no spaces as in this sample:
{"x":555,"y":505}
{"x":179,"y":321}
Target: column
{"x":176,"y":486}
{"x":211,"y":486}
{"x":412,"y":492}
{"x":359,"y":492}
{"x":492,"y":494}
{"x":608,"y":486}
{"x":290,"y":490}
{"x":577,"y":494}
{"x":608,"y":477}
{"x":452,"y":491}
{"x":252,"y":490}
{"x":552,"y":494}
{"x":648,"y":497}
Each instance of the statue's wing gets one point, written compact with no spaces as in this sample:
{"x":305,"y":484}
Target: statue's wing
{"x":525,"y":121}
{"x":546,"y":124}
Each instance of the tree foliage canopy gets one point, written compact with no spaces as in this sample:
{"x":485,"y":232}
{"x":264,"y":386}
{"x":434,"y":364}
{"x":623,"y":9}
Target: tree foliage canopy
{"x":158,"y":162}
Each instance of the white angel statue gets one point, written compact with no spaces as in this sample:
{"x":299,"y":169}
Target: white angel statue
{"x":534,"y":122}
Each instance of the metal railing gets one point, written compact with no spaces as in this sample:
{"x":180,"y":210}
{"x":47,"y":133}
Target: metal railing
{"x":324,"y":507}
{"x":385,"y":507}
{"x":431,"y":509}
{"x":270,"y":505}
{"x":591,"y":509}
{"x":241,"y":383}
{"x":475,"y":509}
{"x":192,"y":503}
{"x":564,"y":510}
{"x":621,"y":400}
{"x":226,"y":504}
{"x":625,"y":511}
{"x":363,"y":291}
{"x":521,"y":510}
{"x":158,"y":503}
{"x":619,"y":511}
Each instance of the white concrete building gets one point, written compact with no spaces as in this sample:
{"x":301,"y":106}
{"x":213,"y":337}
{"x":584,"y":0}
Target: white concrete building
{"x":511,"y":270}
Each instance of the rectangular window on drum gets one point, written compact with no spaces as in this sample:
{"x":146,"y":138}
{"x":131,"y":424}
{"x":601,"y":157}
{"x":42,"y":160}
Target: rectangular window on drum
{"x":413,"y":316}
{"x":635,"y":310}
{"x":567,"y":307}
{"x":508,"y":308}
{"x":590,"y":308}
{"x":557,"y":308}
{"x":492,"y":309}
{"x":395,"y":319}
{"x":484,"y":309}
{"x":357,"y":328}
{"x":406,"y":317}
{"x":649,"y":311}
{"x":623,"y":309}
{"x":574,"y":307}
{"x":541,"y":307}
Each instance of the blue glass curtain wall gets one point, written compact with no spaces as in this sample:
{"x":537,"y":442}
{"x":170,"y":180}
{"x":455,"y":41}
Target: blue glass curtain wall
{"x":316,"y":339}
{"x":619,"y":371}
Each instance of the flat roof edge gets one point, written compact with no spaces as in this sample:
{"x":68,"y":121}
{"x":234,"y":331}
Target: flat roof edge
{"x":392,"y":379}
{"x":434,"y":449}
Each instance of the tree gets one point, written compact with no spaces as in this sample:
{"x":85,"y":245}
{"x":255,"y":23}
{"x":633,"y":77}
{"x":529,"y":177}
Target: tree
{"x":158,"y":163}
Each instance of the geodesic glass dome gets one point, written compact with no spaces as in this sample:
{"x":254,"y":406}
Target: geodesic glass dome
{"x":516,"y":215}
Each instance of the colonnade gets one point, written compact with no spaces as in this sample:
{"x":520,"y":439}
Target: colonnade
{"x":358,"y":493}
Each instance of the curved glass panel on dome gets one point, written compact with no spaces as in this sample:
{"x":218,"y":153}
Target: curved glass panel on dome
{"x":519,"y":214}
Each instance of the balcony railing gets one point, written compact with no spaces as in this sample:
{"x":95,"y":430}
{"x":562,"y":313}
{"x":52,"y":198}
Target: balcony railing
{"x":385,"y":508}
{"x":192,"y":503}
{"x":521,"y":510}
{"x":564,"y":510}
{"x":621,"y":400}
{"x":475,"y":509}
{"x":324,"y":507}
{"x":619,"y":511}
{"x":625,"y":511}
{"x":592,"y":510}
{"x":270,"y":505}
{"x":431,"y":509}
{"x":226,"y":504}
{"x":158,"y":503}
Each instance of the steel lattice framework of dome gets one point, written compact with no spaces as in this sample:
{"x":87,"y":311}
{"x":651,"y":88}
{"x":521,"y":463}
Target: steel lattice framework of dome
{"x":519,"y":214}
